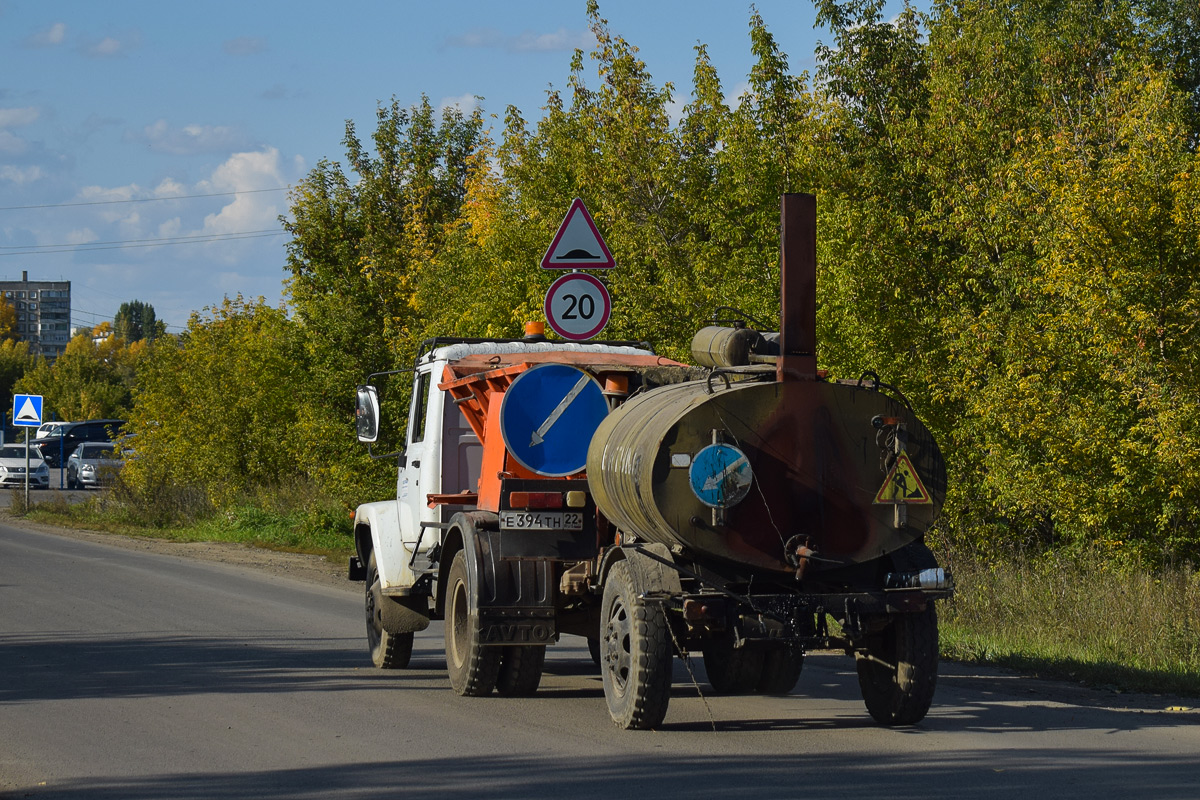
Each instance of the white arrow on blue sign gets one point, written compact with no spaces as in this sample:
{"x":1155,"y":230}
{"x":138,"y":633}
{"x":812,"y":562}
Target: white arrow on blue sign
{"x":27,"y":410}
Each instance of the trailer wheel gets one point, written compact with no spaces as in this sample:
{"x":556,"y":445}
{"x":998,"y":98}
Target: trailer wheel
{"x":732,"y":670}
{"x":635,"y":653}
{"x":473,"y":668}
{"x":388,"y":650}
{"x":520,"y":670}
{"x":781,"y":670}
{"x":898,"y":670}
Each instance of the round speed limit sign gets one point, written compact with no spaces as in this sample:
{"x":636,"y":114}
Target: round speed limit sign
{"x":577,"y":306}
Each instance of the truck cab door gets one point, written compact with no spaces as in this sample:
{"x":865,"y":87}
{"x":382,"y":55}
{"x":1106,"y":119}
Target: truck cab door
{"x":420,"y":474}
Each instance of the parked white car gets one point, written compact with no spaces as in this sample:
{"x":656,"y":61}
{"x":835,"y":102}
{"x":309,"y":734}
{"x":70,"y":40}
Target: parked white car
{"x":93,"y":464}
{"x":47,"y":429}
{"x":12,"y":467}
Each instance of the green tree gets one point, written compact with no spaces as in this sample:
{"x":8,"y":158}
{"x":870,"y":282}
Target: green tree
{"x":218,"y":408}
{"x":356,"y":252}
{"x":15,"y":361}
{"x":136,"y":321}
{"x":92,"y":379}
{"x":8,"y":320}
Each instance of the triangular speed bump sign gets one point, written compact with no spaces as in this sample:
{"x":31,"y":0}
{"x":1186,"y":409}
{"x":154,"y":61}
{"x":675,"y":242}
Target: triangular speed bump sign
{"x":578,"y":245}
{"x":27,"y":410}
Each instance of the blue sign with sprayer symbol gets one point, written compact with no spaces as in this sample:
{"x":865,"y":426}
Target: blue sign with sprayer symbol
{"x":720,"y":476}
{"x":548,"y":416}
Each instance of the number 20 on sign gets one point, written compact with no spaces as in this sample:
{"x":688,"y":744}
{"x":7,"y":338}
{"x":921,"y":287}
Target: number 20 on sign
{"x":577,"y":306}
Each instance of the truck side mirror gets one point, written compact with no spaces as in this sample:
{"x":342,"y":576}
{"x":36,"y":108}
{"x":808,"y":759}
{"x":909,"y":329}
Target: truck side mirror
{"x":366,"y":414}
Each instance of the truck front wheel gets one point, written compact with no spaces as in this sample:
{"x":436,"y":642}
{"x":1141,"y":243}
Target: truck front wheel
{"x":473,"y":668}
{"x":388,"y":650}
{"x":897,"y":669}
{"x":635,"y":654}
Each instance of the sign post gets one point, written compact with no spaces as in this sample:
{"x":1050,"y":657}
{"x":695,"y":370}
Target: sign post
{"x":27,"y":413}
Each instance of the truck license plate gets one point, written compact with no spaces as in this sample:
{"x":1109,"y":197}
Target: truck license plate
{"x":542,"y":520}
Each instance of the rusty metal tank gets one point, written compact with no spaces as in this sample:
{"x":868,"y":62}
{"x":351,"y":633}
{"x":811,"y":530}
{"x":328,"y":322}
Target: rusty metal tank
{"x":809,"y":466}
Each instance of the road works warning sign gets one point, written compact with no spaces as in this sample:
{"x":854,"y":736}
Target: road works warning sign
{"x":903,"y":485}
{"x":578,"y":244}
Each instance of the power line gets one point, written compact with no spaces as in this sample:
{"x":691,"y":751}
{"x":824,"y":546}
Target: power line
{"x":133,"y":243}
{"x":144,"y":199}
{"x":105,"y":318}
{"x":197,"y":236}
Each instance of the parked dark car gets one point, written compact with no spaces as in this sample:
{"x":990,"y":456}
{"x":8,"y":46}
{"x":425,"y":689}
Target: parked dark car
{"x":57,"y":447}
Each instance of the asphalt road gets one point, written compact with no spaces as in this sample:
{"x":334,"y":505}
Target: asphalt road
{"x":131,"y":675}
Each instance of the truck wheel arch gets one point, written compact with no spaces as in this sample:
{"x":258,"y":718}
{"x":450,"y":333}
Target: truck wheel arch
{"x":648,"y":575}
{"x":364,"y":543}
{"x":463,"y":534}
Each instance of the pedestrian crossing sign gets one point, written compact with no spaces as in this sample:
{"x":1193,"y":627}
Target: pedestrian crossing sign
{"x":27,"y":410}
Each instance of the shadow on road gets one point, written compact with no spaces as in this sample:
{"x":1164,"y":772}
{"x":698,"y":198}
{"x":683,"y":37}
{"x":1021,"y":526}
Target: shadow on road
{"x":824,"y":775}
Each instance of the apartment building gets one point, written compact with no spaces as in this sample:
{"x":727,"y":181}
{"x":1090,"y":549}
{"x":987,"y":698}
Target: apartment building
{"x":43,"y":311}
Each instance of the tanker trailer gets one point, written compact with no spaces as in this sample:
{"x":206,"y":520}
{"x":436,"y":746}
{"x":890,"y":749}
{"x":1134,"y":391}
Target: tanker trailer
{"x":752,"y":507}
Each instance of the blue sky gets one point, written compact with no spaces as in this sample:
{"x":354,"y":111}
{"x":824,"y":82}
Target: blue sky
{"x":159,"y":102}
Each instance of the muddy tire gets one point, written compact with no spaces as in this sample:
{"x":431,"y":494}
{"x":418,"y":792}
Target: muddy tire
{"x":781,"y":670}
{"x":898,"y":670}
{"x":474,"y":669}
{"x":733,"y":670}
{"x":594,"y":649}
{"x":388,"y":650}
{"x":635,"y":654}
{"x":520,"y":670}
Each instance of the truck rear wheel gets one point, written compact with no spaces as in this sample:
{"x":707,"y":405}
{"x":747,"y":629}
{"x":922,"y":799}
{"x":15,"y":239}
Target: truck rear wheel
{"x":388,"y":650}
{"x":781,"y":670}
{"x":635,"y":654}
{"x":732,"y":670}
{"x":520,"y":670}
{"x":473,"y":668}
{"x":898,"y":670}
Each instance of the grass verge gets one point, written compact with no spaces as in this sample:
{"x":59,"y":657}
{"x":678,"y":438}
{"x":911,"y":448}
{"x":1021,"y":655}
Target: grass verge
{"x":292,"y":518}
{"x":1077,"y":617}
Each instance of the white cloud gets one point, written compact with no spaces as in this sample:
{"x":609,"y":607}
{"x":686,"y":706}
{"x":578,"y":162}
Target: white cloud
{"x":81,"y":236}
{"x":12,"y":145}
{"x":12,"y":117}
{"x":739,"y":90}
{"x":89,"y":194}
{"x":110,"y":46}
{"x":525,"y":42}
{"x":169,"y":187}
{"x":244,"y":172}
{"x":54,"y":35}
{"x":560,"y":40}
{"x":190,"y":139}
{"x":244,"y":46}
{"x":280,"y":91}
{"x":20,"y":176}
{"x":465,"y":103}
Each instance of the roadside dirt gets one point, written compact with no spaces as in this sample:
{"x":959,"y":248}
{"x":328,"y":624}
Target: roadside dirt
{"x":315,"y":569}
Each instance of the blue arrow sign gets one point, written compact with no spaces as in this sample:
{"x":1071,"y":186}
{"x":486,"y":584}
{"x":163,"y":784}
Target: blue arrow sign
{"x":548,"y":416}
{"x":27,"y":410}
{"x":720,"y":476}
